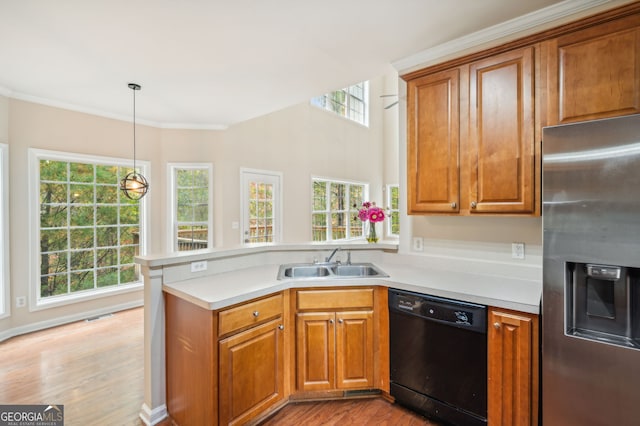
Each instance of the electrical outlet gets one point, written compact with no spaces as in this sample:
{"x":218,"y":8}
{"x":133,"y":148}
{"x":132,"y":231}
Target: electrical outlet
{"x":417,"y":244}
{"x":517,"y":250}
{"x":21,"y":302}
{"x":199,"y":266}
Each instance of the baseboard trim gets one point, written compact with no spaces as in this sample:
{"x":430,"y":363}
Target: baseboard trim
{"x":42,"y":325}
{"x":152,"y":417}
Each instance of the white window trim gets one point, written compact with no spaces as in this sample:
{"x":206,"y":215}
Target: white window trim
{"x":365,"y":197}
{"x":35,"y":155}
{"x":388,"y":202}
{"x":278,"y":210}
{"x":5,"y":294}
{"x":171,"y":197}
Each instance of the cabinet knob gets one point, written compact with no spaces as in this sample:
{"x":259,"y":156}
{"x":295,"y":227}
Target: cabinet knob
{"x":330,"y":321}
{"x":281,"y":327}
{"x":454,"y":205}
{"x":340,"y":320}
{"x":256,"y":313}
{"x":496,"y":325}
{"x":473,"y":204}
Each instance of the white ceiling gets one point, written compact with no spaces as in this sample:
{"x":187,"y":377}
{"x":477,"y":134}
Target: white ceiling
{"x":212,"y":63}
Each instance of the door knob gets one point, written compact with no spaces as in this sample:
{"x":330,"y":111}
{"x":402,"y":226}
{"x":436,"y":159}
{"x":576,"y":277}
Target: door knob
{"x":473,"y":204}
{"x":281,"y":327}
{"x":454,"y":205}
{"x":496,"y":325}
{"x":340,"y":320}
{"x":330,"y":321}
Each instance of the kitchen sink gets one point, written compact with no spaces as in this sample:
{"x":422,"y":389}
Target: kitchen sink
{"x":329,"y":271}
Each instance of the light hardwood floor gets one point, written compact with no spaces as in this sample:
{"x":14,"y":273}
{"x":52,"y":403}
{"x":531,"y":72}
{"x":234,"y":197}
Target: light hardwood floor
{"x":95,"y":369}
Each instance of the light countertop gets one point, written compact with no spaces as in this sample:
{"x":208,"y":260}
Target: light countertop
{"x":220,"y":290}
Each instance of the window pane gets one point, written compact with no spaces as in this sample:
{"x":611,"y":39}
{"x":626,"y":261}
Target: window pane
{"x":106,"y":194}
{"x":191,"y":206}
{"x":106,"y":215}
{"x":81,"y":280}
{"x":107,"y":236}
{"x":319,"y":196}
{"x":107,"y":276}
{"x":53,"y":285}
{"x":81,"y":216}
{"x":53,"y":170}
{"x":53,"y":193}
{"x":53,"y":263}
{"x":107,"y":174}
{"x":81,"y":172}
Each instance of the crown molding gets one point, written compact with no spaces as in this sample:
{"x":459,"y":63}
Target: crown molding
{"x":100,"y":113}
{"x":495,"y":32}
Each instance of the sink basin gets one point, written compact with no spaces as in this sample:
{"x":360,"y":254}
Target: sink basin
{"x":355,"y":270}
{"x":329,"y":271}
{"x":305,"y":271}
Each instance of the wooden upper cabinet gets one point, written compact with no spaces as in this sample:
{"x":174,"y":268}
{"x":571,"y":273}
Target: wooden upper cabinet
{"x":433,"y":173}
{"x":595,"y":72}
{"x":501,"y":133}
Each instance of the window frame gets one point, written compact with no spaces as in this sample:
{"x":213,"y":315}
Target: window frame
{"x":391,"y":210}
{"x":5,"y":295}
{"x":324,"y":101}
{"x":36,"y":302}
{"x":172,"y":169}
{"x":328,"y":212}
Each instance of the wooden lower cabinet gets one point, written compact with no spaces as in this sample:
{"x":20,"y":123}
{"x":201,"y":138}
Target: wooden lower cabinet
{"x":225,"y":367}
{"x":334,"y":350}
{"x":513,"y":368}
{"x":251,"y":372}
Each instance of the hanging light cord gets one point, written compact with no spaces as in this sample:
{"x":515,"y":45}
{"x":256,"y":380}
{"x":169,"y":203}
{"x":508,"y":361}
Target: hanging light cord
{"x":134,"y":127}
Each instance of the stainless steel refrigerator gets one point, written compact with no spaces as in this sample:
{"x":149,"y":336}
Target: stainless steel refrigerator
{"x":591,"y":273}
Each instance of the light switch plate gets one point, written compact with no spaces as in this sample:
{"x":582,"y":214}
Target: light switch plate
{"x":417,"y":244}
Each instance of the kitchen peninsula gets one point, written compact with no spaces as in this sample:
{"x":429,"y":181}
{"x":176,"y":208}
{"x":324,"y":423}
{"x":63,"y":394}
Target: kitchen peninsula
{"x":232,"y":283}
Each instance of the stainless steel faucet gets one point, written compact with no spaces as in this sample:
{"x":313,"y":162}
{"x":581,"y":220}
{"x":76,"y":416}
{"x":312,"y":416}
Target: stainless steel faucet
{"x":333,"y":253}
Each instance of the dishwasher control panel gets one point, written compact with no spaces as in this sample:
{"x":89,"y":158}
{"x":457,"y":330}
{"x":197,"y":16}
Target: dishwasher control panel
{"x":453,"y":312}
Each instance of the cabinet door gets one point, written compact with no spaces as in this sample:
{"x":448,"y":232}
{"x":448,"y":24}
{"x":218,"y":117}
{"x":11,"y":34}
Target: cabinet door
{"x":315,"y":344}
{"x":251,"y":376}
{"x":501,"y":133}
{"x":595,"y":73}
{"x":354,"y":350}
{"x":513,"y":368}
{"x":433,"y":174}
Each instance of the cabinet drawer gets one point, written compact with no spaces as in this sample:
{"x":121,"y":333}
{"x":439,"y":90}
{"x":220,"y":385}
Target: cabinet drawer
{"x":248,"y":314}
{"x":335,"y":299}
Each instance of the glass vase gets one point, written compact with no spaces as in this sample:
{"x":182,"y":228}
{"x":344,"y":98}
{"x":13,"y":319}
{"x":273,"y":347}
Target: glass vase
{"x":372,"y":236}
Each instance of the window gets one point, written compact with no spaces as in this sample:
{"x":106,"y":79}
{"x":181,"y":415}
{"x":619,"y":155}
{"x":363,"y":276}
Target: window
{"x":4,"y":231}
{"x":393,"y":210}
{"x":260,"y":206}
{"x":191,"y":206}
{"x":351,"y":102}
{"x":88,"y":231}
{"x":335,"y":207}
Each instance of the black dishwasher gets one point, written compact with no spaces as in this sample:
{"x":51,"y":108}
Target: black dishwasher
{"x":438,"y":357}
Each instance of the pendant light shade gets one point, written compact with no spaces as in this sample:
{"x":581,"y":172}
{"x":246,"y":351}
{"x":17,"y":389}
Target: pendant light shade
{"x":134,"y":185}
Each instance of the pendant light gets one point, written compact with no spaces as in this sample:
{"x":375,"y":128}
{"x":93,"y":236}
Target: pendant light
{"x":134,"y":186}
